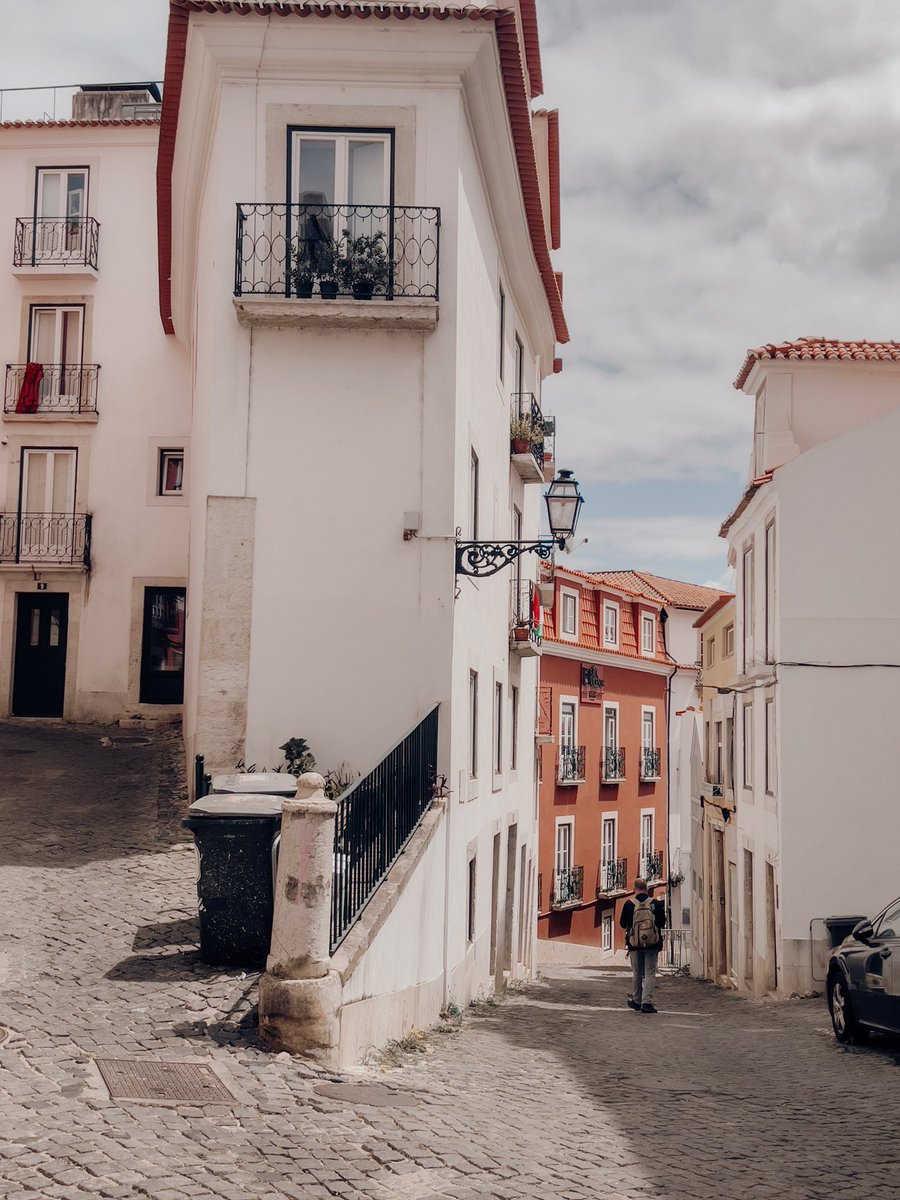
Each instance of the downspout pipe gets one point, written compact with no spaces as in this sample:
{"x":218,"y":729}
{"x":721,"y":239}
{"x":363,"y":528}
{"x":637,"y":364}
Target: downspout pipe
{"x":663,"y":619}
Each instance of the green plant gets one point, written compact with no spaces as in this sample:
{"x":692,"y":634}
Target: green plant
{"x":338,"y":780}
{"x":365,"y":264}
{"x":298,"y":757}
{"x":524,"y":429}
{"x":327,"y":261}
{"x":305,"y":263}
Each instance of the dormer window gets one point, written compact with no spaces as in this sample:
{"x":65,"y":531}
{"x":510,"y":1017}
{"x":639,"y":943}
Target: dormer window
{"x":648,"y":633}
{"x":611,"y":624}
{"x":568,"y":603}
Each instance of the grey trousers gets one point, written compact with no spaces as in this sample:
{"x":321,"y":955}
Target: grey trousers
{"x":643,"y":974}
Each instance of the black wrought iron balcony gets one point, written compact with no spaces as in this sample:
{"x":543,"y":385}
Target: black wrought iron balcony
{"x":360,"y":251}
{"x":568,"y":887}
{"x":651,"y":866}
{"x":613,"y":764}
{"x":56,"y":242}
{"x":613,"y":877}
{"x":650,"y":763}
{"x":524,"y":619}
{"x":571,"y":764}
{"x":51,"y":388}
{"x":55,"y":539}
{"x":526,"y":437}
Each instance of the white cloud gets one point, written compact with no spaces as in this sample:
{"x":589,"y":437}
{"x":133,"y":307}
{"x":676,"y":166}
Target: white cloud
{"x":657,"y":542}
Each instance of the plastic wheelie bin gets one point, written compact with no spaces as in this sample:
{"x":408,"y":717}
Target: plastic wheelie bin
{"x":236,"y":837}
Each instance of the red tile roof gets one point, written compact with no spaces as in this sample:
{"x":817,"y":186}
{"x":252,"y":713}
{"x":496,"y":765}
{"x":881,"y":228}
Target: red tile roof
{"x":812,"y":349}
{"x":78,"y":124}
{"x":590,"y":612}
{"x":511,"y":65}
{"x":528,"y":9}
{"x":716,"y":606}
{"x":749,"y":492}
{"x":669,"y":591}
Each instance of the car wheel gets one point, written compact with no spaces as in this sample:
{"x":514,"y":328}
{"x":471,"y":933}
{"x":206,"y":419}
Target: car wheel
{"x":847,"y":1028}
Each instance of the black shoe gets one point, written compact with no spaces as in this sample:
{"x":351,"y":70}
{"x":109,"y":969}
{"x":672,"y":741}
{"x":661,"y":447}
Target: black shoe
{"x":634,"y":1007}
{"x":648,"y":1008}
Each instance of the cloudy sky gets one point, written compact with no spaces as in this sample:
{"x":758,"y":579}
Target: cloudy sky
{"x":729,"y":178}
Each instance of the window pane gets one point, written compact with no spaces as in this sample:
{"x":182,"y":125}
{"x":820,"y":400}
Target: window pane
{"x":75,"y":194}
{"x":316,"y":171}
{"x":366,"y":172}
{"x":54,"y":627}
{"x":50,"y":194}
{"x":35,"y":636}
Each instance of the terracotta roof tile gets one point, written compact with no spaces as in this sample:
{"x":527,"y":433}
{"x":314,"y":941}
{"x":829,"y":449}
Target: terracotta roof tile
{"x":81,"y":124}
{"x":669,"y":591}
{"x":591,"y":623}
{"x":812,"y":349}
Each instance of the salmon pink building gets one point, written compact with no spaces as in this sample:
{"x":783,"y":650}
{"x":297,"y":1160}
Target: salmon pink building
{"x":602,"y":736}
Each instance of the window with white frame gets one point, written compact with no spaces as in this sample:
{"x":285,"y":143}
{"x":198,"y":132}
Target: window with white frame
{"x":514,"y":727}
{"x":610,"y":624}
{"x":747,"y":604}
{"x":648,"y":633}
{"x":646,"y":844}
{"x":719,"y":750}
{"x":569,"y":611}
{"x":470,"y":900}
{"x":565,"y":853}
{"x":473,"y":724}
{"x":56,"y":342}
{"x":567,"y":722}
{"x":747,"y":738}
{"x":710,"y":656}
{"x":771,"y":770}
{"x":343,"y":167}
{"x":61,"y":206}
{"x":770,"y":591}
{"x":610,"y":726}
{"x":650,"y":758}
{"x":728,"y":641}
{"x":608,"y":842}
{"x":170,"y":478}
{"x":606,"y":933}
{"x":498,"y":728}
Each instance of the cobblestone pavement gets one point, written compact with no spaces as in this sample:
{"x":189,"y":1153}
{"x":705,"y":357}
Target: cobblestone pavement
{"x":560,"y":1093}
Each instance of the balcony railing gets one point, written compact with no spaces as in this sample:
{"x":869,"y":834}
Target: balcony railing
{"x":376,"y":818}
{"x":613,"y":764}
{"x":526,"y":433}
{"x":59,"y":539}
{"x":568,"y":887}
{"x":524,"y":623}
{"x":329,"y":250}
{"x":651,"y":866}
{"x":650,"y":763}
{"x":56,"y":242}
{"x":613,"y":877}
{"x":571,"y":764}
{"x":51,"y":388}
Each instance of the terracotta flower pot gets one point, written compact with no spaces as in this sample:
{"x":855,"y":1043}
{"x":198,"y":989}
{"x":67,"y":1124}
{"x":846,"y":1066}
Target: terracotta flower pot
{"x":521,"y":445}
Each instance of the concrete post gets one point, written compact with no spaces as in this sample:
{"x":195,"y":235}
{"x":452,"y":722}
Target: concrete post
{"x":299,"y":995}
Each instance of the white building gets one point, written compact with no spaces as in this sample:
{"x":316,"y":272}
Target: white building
{"x":817,"y":689}
{"x":94,"y":525}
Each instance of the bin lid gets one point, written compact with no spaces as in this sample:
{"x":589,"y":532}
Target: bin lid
{"x":237,"y":806}
{"x":272,"y":783}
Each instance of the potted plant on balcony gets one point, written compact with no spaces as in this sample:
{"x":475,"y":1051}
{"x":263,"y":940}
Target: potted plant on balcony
{"x":327,"y":267}
{"x":303,"y":274}
{"x":365,"y":267}
{"x":524,"y":434}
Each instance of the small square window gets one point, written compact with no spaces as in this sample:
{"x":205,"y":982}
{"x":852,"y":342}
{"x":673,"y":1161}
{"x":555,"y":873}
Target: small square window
{"x":171,"y":472}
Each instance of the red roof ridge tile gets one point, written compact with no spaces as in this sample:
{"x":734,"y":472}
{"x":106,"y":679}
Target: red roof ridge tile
{"x":79,"y":123}
{"x":818,"y":349}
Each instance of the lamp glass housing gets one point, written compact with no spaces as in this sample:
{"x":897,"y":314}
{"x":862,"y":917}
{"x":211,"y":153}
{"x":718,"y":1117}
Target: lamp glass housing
{"x":564,"y":501}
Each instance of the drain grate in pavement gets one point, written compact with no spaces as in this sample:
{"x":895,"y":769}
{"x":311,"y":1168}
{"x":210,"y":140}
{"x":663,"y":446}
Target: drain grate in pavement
{"x":375,"y":1094}
{"x":162,"y":1081}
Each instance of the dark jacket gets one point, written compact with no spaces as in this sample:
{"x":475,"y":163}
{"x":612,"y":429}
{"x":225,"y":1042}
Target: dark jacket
{"x":659,"y":911}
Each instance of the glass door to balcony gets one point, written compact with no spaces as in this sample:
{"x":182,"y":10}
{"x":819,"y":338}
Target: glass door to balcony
{"x":646,"y":844}
{"x":61,"y":206}
{"x":47,"y":503}
{"x":56,"y":342}
{"x":346,"y":168}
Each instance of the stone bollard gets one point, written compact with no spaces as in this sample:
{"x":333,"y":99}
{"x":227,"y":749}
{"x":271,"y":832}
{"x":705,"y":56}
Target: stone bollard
{"x":299,"y":995}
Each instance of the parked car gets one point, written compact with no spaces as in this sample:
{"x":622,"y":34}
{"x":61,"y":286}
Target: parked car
{"x":864,"y":978}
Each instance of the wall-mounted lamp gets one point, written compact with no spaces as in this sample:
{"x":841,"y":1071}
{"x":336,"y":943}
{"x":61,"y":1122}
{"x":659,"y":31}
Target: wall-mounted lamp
{"x":564,"y":501}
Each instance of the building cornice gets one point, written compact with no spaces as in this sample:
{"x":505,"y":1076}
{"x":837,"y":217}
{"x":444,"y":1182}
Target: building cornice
{"x":606,"y":658}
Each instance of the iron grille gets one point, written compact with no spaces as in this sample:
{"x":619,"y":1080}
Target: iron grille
{"x":613,"y":763}
{"x":522,"y":608}
{"x":56,"y":241}
{"x":571,"y":764}
{"x":358,"y":250}
{"x":568,"y":886}
{"x":58,"y":538}
{"x":528,"y":424}
{"x":613,"y":876}
{"x":674,"y":950}
{"x":652,"y":866}
{"x":650,"y":763}
{"x":376,"y":818}
{"x":51,"y":388}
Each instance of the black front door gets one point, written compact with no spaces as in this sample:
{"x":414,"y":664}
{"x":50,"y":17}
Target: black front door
{"x":162,"y":651}
{"x":39,"y":677}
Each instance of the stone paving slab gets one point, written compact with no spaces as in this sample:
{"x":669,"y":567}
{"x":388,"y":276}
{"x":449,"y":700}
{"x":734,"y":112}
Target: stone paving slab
{"x":560,"y":1093}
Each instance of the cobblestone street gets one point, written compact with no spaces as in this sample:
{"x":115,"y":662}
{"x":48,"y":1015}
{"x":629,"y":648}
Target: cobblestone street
{"x":560,"y":1092}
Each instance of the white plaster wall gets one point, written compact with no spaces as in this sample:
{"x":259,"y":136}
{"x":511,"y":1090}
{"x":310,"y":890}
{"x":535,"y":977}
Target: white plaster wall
{"x":143,"y":395}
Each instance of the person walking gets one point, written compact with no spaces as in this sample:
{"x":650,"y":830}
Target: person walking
{"x":643,"y":920}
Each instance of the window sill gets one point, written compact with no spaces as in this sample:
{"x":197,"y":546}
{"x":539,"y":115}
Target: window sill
{"x":341,"y":313}
{"x":56,"y":271}
{"x":45,"y":418}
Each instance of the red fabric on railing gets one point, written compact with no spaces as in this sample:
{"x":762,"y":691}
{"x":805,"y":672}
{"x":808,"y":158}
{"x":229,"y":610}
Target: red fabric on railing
{"x":30,"y":391}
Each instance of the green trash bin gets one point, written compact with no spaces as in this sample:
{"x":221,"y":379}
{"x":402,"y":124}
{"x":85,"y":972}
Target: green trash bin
{"x":236,"y":837}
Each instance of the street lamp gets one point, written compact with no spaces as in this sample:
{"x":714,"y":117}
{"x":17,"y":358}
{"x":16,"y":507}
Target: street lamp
{"x":564,"y":502}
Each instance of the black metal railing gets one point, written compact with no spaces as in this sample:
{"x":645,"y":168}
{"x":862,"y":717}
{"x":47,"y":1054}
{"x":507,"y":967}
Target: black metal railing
{"x":675,"y":951}
{"x":522,"y":609}
{"x":329,"y":250}
{"x":56,"y":241}
{"x":613,"y":876}
{"x":568,"y":886}
{"x":613,"y":764}
{"x":651,"y":867}
{"x":376,"y":818}
{"x":571,"y":764}
{"x":527,"y":427}
{"x":650,"y":763}
{"x":63,"y":539}
{"x":51,"y":388}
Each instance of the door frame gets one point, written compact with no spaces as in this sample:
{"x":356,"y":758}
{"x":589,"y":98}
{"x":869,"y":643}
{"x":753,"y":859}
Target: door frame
{"x":143,"y":627}
{"x":19,"y":601}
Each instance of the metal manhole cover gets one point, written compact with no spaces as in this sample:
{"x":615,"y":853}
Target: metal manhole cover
{"x":162,"y":1081}
{"x":376,"y":1094}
